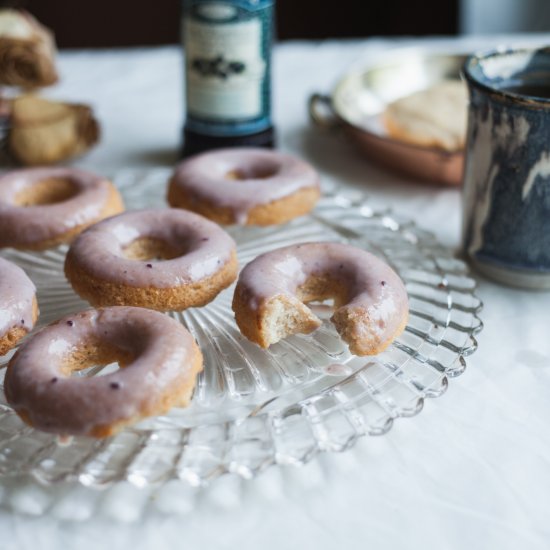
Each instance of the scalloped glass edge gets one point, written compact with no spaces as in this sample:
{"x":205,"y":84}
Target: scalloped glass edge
{"x":291,"y":428}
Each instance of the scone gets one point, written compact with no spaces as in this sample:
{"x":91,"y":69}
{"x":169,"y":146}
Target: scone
{"x":434,"y":117}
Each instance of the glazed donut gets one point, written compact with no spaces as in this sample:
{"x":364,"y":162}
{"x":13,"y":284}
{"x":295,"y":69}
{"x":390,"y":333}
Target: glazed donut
{"x":18,"y":306}
{"x":159,"y":359}
{"x":245,"y":186}
{"x":371,"y":305}
{"x":43,"y":207}
{"x":166,"y":260}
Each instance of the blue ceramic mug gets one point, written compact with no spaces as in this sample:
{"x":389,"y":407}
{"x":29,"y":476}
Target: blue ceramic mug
{"x":506,"y":196}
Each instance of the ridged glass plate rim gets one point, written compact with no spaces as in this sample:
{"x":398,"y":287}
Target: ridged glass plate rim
{"x":290,"y":428}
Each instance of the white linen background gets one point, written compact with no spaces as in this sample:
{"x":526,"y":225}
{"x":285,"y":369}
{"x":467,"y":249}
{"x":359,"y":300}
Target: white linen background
{"x":471,"y":471}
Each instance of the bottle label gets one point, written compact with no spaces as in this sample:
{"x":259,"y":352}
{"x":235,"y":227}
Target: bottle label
{"x":227,"y":66}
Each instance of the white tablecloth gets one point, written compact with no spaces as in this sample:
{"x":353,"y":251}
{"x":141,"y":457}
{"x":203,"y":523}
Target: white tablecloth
{"x":471,"y":471}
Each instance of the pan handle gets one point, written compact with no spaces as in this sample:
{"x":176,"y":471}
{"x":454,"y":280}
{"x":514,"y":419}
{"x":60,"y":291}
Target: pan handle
{"x":321,"y":111}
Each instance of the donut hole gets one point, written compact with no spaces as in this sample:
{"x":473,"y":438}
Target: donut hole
{"x":253,"y":172}
{"x":47,"y":191}
{"x":148,"y":248}
{"x":295,"y":315}
{"x":96,"y":359}
{"x":324,"y":291}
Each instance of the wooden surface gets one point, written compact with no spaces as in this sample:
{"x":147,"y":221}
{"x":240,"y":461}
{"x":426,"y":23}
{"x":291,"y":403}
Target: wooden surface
{"x":108,"y":23}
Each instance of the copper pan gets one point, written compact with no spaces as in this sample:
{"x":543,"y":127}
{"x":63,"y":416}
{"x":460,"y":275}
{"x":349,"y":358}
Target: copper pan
{"x":360,"y":97}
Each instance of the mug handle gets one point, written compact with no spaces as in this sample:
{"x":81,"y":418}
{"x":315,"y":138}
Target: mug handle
{"x":321,"y":111}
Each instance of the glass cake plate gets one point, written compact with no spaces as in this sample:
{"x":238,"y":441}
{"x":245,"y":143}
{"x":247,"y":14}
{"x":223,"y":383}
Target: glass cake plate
{"x":253,"y":408}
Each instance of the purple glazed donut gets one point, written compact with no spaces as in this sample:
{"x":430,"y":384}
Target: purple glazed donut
{"x":245,"y":186}
{"x":166,"y":259}
{"x":43,"y":207}
{"x":371,"y":304}
{"x":159,"y":359}
{"x":18,"y":307}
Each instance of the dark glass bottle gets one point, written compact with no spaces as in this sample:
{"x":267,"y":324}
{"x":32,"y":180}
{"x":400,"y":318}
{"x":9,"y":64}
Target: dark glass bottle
{"x":227,"y":46}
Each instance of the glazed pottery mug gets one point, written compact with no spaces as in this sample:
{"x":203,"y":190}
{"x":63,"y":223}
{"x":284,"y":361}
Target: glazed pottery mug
{"x":506,"y":195}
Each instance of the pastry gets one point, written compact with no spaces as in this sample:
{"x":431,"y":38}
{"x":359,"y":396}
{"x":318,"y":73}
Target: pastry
{"x":245,"y":186}
{"x":159,"y":358}
{"x":371,"y":305}
{"x":43,"y":207}
{"x":167,"y":259}
{"x":434,"y":117}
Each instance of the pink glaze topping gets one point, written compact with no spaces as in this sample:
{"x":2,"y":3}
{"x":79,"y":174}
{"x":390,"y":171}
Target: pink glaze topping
{"x":28,"y":225}
{"x":205,"y":247}
{"x":17,"y":294}
{"x":263,"y":177}
{"x":372,"y":286}
{"x":37,"y":382}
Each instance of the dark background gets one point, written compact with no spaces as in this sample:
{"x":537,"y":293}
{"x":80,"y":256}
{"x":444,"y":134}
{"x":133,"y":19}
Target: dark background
{"x":108,"y":23}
